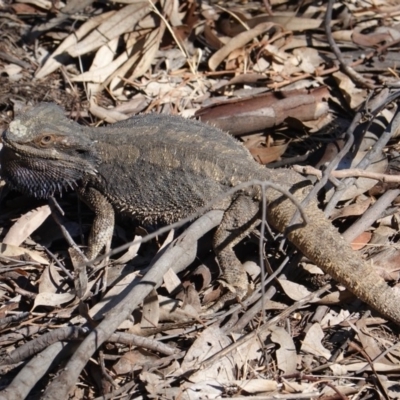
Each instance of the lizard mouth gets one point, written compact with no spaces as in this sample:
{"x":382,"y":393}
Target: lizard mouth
{"x":41,"y":169}
{"x":36,"y":177}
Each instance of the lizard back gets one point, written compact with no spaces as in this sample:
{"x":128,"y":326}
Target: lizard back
{"x":162,"y":168}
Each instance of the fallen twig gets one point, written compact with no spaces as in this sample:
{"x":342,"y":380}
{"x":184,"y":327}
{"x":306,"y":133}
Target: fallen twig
{"x":345,"y":173}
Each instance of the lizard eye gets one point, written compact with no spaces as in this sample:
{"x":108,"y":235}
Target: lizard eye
{"x":46,"y":140}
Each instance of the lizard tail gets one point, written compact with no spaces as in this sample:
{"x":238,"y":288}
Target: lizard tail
{"x":321,"y":243}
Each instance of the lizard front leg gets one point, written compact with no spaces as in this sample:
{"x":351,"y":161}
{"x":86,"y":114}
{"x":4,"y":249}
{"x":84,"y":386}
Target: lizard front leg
{"x":239,"y":220}
{"x":103,"y":224}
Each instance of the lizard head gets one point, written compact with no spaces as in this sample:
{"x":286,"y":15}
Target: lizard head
{"x":44,"y":152}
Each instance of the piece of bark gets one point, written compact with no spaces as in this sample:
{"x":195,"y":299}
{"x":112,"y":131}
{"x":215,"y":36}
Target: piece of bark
{"x":257,"y":113}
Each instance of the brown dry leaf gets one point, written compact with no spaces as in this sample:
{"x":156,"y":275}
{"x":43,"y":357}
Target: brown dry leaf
{"x":122,"y":21}
{"x":337,"y":297}
{"x":318,"y":124}
{"x":286,"y":355}
{"x":358,"y":208}
{"x":330,"y":151}
{"x":101,"y":74}
{"x":212,"y":40}
{"x":249,"y":350}
{"x":253,"y":386}
{"x":296,"y":387}
{"x":253,"y":269}
{"x":338,"y":369}
{"x":212,"y":380}
{"x":8,"y":250}
{"x":283,"y":62}
{"x":50,"y":280}
{"x":150,"y":48}
{"x":369,"y":342}
{"x":58,"y":58}
{"x":265,"y":154}
{"x":205,"y":275}
{"x":103,"y":58}
{"x":345,"y":390}
{"x":202,"y":390}
{"x":288,"y":20}
{"x":171,"y":281}
{"x":191,"y":301}
{"x":169,"y":239}
{"x":77,"y":393}
{"x":387,"y":262}
{"x":122,"y":64}
{"x":209,"y":342}
{"x":166,"y":92}
{"x":261,"y":65}
{"x":341,"y":35}
{"x":333,"y":318}
{"x":134,"y":105}
{"x":293,"y":290}
{"x":354,"y":96}
{"x":385,"y":230}
{"x":374,"y":38}
{"x":158,"y":386}
{"x":133,"y":361}
{"x":212,"y":294}
{"x":293,"y":23}
{"x":308,"y":59}
{"x":360,"y":241}
{"x":142,"y":58}
{"x":235,"y":43}
{"x":130,"y":254}
{"x":45,"y":4}
{"x":274,"y":305}
{"x":170,"y":310}
{"x":313,"y":269}
{"x":236,"y":59}
{"x":52,"y":299}
{"x":109,"y":115}
{"x":8,"y":304}
{"x":394,"y":353}
{"x":21,"y":9}
{"x":26,"y":224}
{"x":312,"y":342}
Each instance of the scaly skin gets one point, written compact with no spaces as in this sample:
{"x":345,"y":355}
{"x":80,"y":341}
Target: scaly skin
{"x":159,"y":169}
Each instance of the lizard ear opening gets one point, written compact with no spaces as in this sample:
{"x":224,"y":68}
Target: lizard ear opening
{"x":81,"y":151}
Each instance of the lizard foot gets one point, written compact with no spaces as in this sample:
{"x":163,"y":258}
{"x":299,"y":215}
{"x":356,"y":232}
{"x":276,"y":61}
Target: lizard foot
{"x":239,"y":220}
